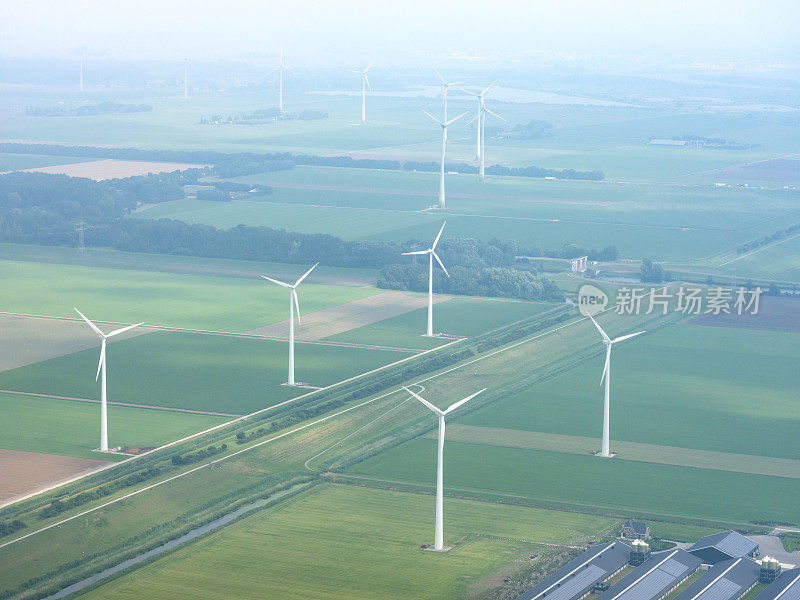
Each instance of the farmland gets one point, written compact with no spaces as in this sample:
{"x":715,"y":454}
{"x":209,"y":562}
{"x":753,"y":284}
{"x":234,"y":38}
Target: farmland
{"x":338,"y":529}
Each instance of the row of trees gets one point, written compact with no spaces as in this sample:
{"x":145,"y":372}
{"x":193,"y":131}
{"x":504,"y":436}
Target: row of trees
{"x":501,"y":282}
{"x":245,"y":163}
{"x":86,"y":110}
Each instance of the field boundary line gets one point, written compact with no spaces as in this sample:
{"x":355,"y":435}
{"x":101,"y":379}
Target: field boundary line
{"x":757,"y":250}
{"x":226,"y":333}
{"x":214,"y":428}
{"x":128,"y":404}
{"x":597,"y":507}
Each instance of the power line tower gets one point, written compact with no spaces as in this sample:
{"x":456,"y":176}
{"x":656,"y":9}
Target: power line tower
{"x":81,"y":227}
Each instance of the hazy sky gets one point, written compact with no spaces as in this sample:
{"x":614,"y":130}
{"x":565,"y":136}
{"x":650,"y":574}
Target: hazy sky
{"x":339,"y":31}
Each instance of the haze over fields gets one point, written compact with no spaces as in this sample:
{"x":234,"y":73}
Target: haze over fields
{"x":256,"y":258}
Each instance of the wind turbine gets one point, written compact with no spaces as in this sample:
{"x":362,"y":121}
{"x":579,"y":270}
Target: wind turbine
{"x":444,"y":125}
{"x":431,"y":252}
{"x":186,"y":64}
{"x":446,"y":85}
{"x":481,"y":96}
{"x":605,"y":448}
{"x":482,"y":168}
{"x":364,"y":85}
{"x":293,"y":302}
{"x":438,"y":537}
{"x":101,"y":370}
{"x":280,"y":69}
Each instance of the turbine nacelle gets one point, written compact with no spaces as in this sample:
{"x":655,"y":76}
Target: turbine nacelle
{"x":449,"y":409}
{"x":432,"y":250}
{"x":104,"y":338}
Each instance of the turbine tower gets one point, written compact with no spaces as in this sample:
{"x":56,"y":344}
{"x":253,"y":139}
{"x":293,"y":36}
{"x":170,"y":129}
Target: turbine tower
{"x":185,"y":77}
{"x":364,"y":85}
{"x":101,"y":370}
{"x":280,"y":69}
{"x":431,"y":252}
{"x":481,"y":96}
{"x":444,"y":125}
{"x":605,"y":450}
{"x":438,"y":537}
{"x":293,"y":302}
{"x":446,"y":86}
{"x":482,"y":168}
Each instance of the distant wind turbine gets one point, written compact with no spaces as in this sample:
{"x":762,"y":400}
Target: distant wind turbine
{"x":444,"y":125}
{"x":438,"y":537}
{"x":280,"y":69}
{"x":293,"y":302}
{"x":446,"y":85}
{"x":605,"y":450}
{"x":186,"y":64}
{"x":101,"y":370}
{"x":81,"y":71}
{"x":431,"y":252}
{"x":481,"y":120}
{"x":364,"y":85}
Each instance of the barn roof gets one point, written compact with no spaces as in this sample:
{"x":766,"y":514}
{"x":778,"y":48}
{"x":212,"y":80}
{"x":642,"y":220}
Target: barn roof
{"x":653,"y":578}
{"x":726,"y":580}
{"x":731,"y":543}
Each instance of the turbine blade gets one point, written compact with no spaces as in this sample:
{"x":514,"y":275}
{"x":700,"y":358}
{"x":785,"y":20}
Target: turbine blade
{"x":272,"y":71}
{"x":425,"y":402}
{"x":438,"y":235}
{"x":435,"y":70}
{"x":605,"y":367}
{"x":297,"y":304}
{"x":369,"y":87}
{"x":123,"y":329}
{"x":439,"y":260}
{"x":370,"y":65}
{"x":286,"y":285}
{"x":493,"y":114}
{"x":468,"y":92}
{"x":625,"y":337}
{"x":491,"y":85}
{"x":102,"y":359}
{"x":352,"y":71}
{"x":600,"y":329}
{"x":299,"y":281}
{"x":417,"y":252}
{"x":455,"y":119}
{"x":432,"y":117}
{"x":452,"y":407}
{"x":472,"y":120}
{"x":92,"y":325}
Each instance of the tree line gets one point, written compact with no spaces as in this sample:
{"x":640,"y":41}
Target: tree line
{"x":246,"y":163}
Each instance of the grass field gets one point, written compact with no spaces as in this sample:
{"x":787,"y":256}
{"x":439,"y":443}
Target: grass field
{"x":590,"y":481}
{"x":350,"y":542}
{"x":196,"y":371}
{"x":73,"y":428}
{"x":463,"y":317}
{"x":178,"y":300}
{"x":706,"y":376}
{"x":14,"y":162}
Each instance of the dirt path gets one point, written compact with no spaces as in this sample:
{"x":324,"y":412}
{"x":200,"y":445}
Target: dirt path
{"x":351,"y":315}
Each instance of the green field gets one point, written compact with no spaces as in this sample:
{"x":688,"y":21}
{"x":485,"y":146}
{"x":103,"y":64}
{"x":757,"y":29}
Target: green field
{"x":177,"y":300}
{"x":73,"y":428}
{"x":197,"y":371}
{"x":13,"y":162}
{"x":350,"y":542}
{"x":463,"y":317}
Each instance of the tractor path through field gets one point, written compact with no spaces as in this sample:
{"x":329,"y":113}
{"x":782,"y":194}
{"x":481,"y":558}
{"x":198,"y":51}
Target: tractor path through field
{"x":634,"y":451}
{"x":351,"y":315}
{"x":128,"y":404}
{"x":24,"y":472}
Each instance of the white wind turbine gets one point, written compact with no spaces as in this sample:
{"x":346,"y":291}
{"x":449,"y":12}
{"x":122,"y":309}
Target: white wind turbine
{"x":446,"y":86}
{"x":605,"y":448}
{"x":444,"y":125}
{"x":480,"y":153}
{"x":481,"y":96}
{"x":101,"y":370}
{"x":185,"y":77}
{"x":431,"y":252}
{"x":364,"y":85}
{"x":293,"y":302}
{"x":438,"y":538}
{"x":280,"y":69}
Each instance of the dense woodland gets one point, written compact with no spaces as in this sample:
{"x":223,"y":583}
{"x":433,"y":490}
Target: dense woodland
{"x":39,"y":208}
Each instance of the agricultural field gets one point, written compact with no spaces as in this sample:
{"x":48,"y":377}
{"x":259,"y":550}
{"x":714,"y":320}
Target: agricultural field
{"x":15,"y":162}
{"x":338,"y":530}
{"x":164,"y":299}
{"x":706,"y":376}
{"x":113,"y":169}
